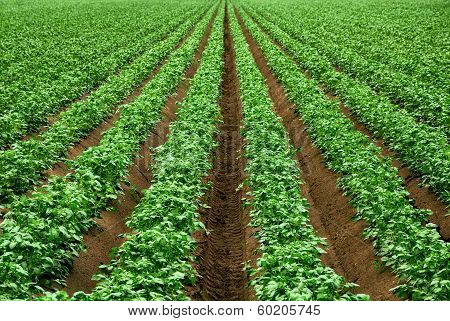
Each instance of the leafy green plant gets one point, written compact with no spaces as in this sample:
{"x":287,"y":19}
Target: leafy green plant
{"x":41,"y":234}
{"x":412,"y":249}
{"x":290,"y":266}
{"x":69,"y":57}
{"x":422,"y":148}
{"x":154,"y":262}
{"x":427,"y":102}
{"x":22,"y":166}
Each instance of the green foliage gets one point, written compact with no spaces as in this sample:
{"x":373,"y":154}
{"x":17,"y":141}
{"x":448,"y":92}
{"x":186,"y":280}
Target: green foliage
{"x":421,"y":147}
{"x":41,"y":234}
{"x":290,"y":266}
{"x":155,"y":261}
{"x":387,"y":62}
{"x":415,"y":252}
{"x":21,"y":167}
{"x":362,"y":54}
{"x":48,"y":60}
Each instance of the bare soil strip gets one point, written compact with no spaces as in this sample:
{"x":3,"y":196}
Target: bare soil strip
{"x":223,"y":249}
{"x":101,"y":239}
{"x":421,"y":196}
{"x":330,"y":211}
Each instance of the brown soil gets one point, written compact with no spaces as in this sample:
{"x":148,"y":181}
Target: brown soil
{"x":198,"y":291}
{"x":223,"y":249}
{"x":107,"y":234}
{"x":330,"y":212}
{"x":252,"y":246}
{"x":95,"y":136}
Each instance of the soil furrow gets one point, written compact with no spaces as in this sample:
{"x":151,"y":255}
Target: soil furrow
{"x":330,"y":211}
{"x":107,"y":234}
{"x":223,"y":249}
{"x":421,"y":196}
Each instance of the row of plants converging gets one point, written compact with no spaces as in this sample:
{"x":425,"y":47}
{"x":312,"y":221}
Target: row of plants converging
{"x":407,"y":37}
{"x":41,"y":234}
{"x":427,"y":104}
{"x":154,"y":263}
{"x":22,"y":166}
{"x":42,"y":49}
{"x":25,"y":117}
{"x":54,"y":60}
{"x":423,"y":149}
{"x":414,"y":251}
{"x":44,"y":54}
{"x":290,"y":266}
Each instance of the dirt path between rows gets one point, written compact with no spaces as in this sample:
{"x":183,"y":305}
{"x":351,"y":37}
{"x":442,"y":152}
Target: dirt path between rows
{"x":330,"y":212}
{"x":107,"y":234}
{"x":222,"y":250}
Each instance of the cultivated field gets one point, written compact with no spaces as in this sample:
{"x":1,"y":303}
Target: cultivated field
{"x":224,"y":150}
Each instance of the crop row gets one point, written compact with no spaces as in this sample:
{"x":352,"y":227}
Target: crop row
{"x":54,"y":60}
{"x":22,"y":166}
{"x":154,"y":263}
{"x":425,"y":103}
{"x":409,"y":37}
{"x":41,"y":234}
{"x":415,"y":252}
{"x":419,"y":146}
{"x":42,"y":47}
{"x":26,"y":116}
{"x":290,"y":266}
